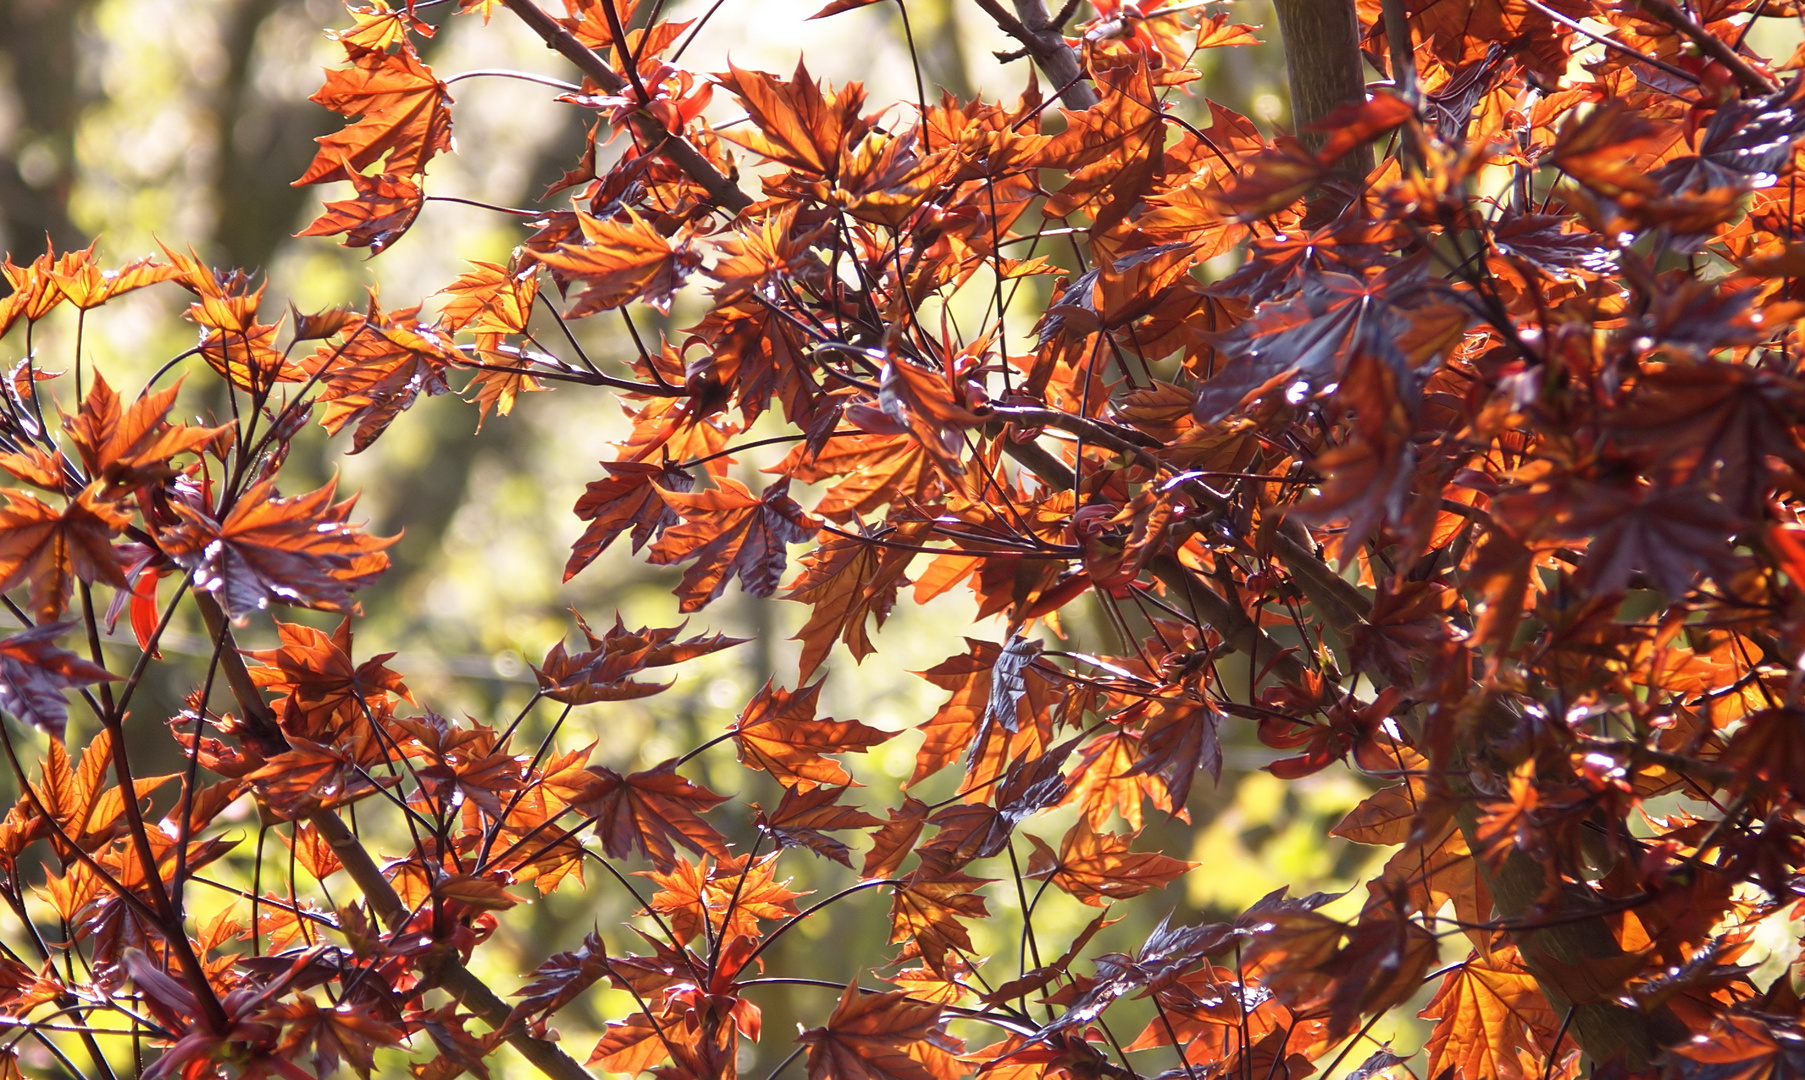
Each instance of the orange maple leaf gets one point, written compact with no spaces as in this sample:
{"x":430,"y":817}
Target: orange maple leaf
{"x":319,"y":687}
{"x":129,"y":447}
{"x":52,"y":548}
{"x":382,"y":363}
{"x":805,"y":818}
{"x":926,"y":909}
{"x":878,"y":470}
{"x":269,"y":549}
{"x":1485,"y":1011}
{"x":404,"y":116}
{"x":604,"y":671}
{"x":794,"y":122}
{"x":384,"y":208}
{"x":1098,"y":868}
{"x":490,"y":299}
{"x":630,"y":1046}
{"x":871,"y":1036}
{"x":847,"y":581}
{"x":729,"y":532}
{"x":621,"y":259}
{"x":629,"y":497}
{"x":729,"y":896}
{"x":777,"y":733}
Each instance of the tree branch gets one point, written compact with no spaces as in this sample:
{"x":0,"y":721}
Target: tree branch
{"x":1712,"y":45}
{"x":722,"y":191}
{"x":1033,"y":27}
{"x":262,"y":731}
{"x":1323,"y":69}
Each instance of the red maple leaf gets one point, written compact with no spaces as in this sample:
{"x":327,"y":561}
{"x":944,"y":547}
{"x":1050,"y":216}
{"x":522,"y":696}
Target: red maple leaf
{"x":651,"y":811}
{"x":730,"y":532}
{"x":274,"y":550}
{"x":34,"y":673}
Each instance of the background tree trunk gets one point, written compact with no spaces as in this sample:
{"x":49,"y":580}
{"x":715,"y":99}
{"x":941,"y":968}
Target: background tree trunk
{"x":37,"y":164}
{"x":1323,"y":67}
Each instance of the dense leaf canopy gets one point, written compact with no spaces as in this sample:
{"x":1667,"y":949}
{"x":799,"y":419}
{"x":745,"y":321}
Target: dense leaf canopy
{"x":1477,"y":472}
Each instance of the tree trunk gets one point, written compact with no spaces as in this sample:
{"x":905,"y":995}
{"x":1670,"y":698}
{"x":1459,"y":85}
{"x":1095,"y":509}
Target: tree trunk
{"x":1323,"y":66}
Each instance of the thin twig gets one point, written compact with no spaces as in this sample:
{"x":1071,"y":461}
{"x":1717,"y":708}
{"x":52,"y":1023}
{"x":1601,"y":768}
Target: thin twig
{"x":722,"y":191}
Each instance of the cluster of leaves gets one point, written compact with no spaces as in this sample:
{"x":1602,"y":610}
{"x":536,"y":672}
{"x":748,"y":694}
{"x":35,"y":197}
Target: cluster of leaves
{"x":1480,"y":474}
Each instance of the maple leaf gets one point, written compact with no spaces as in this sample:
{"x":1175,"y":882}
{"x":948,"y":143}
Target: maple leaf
{"x":1353,"y":123}
{"x":1098,"y":868}
{"x":1383,"y":818}
{"x":34,"y":673}
{"x":651,"y":811}
{"x":1544,"y":241}
{"x":1671,"y":536}
{"x":728,"y":532}
{"x":1741,"y":1048}
{"x":384,"y":209}
{"x":52,"y":549}
{"x":847,"y":581}
{"x":1456,"y":32}
{"x":378,"y":27}
{"x":79,"y":278}
{"x":978,"y":830}
{"x":1486,"y":1010}
{"x":558,"y":981}
{"x":771,"y":250}
{"x":805,"y":817}
{"x":34,"y":290}
{"x":312,"y":852}
{"x":630,"y":1046}
{"x":1102,"y":785}
{"x":926,"y":908}
{"x":794,"y":122}
{"x":869,"y":1037}
{"x":777,"y":733}
{"x":878,"y":469}
{"x":379,"y":366}
{"x":314,"y":675}
{"x":629,"y":498}
{"x":308,"y":778}
{"x":490,"y":299}
{"x":1714,"y":425}
{"x":1436,"y":869}
{"x":1768,"y":746}
{"x":249,"y":358}
{"x":618,"y":261}
{"x":485,"y":8}
{"x":1180,"y":739}
{"x":404,"y":117}
{"x":497,"y":386}
{"x":603,"y":672}
{"x":1306,"y":343}
{"x":126,"y":448}
{"x":972,"y":711}
{"x":344,"y":1031}
{"x":894,"y":839}
{"x":1111,"y":153}
{"x":729,"y":897}
{"x":269,"y":549}
{"x":82,"y":800}
{"x":837,"y":6}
